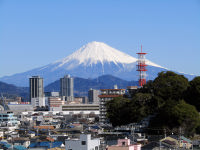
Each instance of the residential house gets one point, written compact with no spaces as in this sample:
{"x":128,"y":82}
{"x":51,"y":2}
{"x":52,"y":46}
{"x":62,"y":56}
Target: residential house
{"x":85,"y":142}
{"x":21,"y":141}
{"x":177,"y":142}
{"x":155,"y":146}
{"x":124,"y":144}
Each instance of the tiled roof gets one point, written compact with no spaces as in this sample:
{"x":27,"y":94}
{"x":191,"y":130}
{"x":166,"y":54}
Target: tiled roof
{"x":44,"y":127}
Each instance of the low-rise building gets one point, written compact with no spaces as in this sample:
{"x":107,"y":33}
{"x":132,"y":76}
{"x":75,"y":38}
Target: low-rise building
{"x":81,"y":108}
{"x":85,"y":142}
{"x":8,"y":119}
{"x":55,"y":103}
{"x":21,"y":141}
{"x":174,"y":141}
{"x":124,"y":144}
{"x":38,"y":101}
{"x":20,"y":107}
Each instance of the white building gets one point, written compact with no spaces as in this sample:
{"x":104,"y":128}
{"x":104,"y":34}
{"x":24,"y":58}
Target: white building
{"x":84,"y":143}
{"x":8,"y":119}
{"x":20,"y":107}
{"x":38,"y":101}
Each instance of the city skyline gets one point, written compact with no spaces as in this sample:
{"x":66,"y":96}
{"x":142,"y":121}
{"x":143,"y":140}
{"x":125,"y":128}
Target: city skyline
{"x":36,"y":33}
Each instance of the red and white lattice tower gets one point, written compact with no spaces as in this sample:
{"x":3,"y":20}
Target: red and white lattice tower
{"x":141,"y":68}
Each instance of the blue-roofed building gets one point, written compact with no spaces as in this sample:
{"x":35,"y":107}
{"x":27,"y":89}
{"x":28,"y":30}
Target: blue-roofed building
{"x":21,"y":141}
{"x":46,"y":144}
{"x":5,"y":145}
{"x":19,"y":147}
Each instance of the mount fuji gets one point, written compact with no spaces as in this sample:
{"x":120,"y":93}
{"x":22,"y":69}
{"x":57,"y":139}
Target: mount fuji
{"x":90,"y":61}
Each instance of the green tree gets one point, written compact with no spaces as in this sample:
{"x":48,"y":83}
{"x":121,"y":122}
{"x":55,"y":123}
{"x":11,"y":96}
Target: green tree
{"x":192,"y":95}
{"x":118,"y":111}
{"x":169,"y":85}
{"x":163,"y":98}
{"x":177,"y":115}
{"x":140,"y":107}
{"x":121,"y":111}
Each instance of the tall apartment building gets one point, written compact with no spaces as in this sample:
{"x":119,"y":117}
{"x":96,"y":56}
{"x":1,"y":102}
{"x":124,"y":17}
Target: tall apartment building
{"x":67,"y":88}
{"x":107,"y":95}
{"x":93,"y":96}
{"x":36,"y":91}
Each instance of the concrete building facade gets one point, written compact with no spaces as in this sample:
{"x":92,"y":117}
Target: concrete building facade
{"x":85,"y":142}
{"x":36,"y":87}
{"x":81,"y":108}
{"x":124,"y":144}
{"x":8,"y":118}
{"x":55,"y":103}
{"x":93,"y":96}
{"x":67,"y":88}
{"x":36,"y":91}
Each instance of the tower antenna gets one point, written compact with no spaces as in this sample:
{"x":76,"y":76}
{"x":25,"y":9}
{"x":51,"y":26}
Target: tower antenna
{"x":141,"y":68}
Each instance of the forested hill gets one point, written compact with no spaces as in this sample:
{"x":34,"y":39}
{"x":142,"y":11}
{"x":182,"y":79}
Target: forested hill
{"x":81,"y":85}
{"x":10,"y":90}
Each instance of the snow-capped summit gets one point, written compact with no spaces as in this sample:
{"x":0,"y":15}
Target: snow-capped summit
{"x":98,"y":52}
{"x":90,"y":61}
{"x":95,"y":52}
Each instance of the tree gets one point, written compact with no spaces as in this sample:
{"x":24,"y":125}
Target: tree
{"x":177,"y":115}
{"x":121,"y":111}
{"x":139,"y":106}
{"x":192,"y":95}
{"x":169,"y":85}
{"x":164,"y":98}
{"x":118,"y":111}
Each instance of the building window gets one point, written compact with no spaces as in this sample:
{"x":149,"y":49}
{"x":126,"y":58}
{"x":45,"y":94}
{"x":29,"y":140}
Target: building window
{"x":83,"y":142}
{"x":96,"y":147}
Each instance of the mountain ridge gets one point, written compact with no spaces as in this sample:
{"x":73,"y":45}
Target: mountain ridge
{"x":11,"y":91}
{"x":90,"y":61}
{"x":82,"y":86}
{"x":95,"y":52}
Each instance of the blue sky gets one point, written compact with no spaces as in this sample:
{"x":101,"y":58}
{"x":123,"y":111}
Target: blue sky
{"x":34,"y":33}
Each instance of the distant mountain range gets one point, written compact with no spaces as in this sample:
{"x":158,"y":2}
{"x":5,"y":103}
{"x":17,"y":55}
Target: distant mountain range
{"x":11,"y":91}
{"x":90,"y":61}
{"x":81,"y":86}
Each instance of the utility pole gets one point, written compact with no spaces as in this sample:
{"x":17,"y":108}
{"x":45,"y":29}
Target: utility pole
{"x":132,"y":133}
{"x":159,"y":145}
{"x":179,"y":138}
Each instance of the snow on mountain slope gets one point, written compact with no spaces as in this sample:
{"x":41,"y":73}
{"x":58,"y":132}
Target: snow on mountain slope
{"x":90,"y":61}
{"x":96,"y":52}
